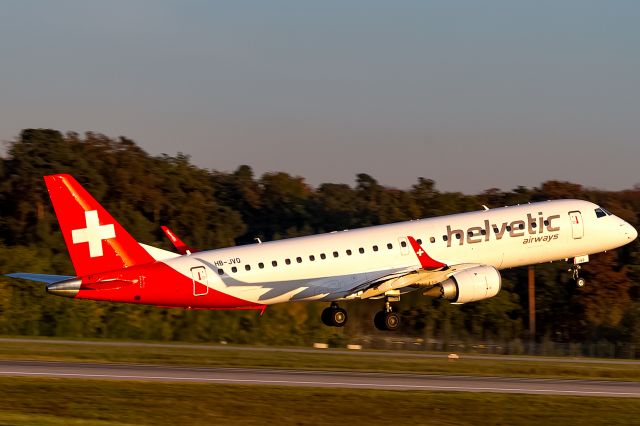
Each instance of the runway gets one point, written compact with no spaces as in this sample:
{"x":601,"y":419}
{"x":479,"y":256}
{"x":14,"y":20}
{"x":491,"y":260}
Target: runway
{"x":324,"y":379}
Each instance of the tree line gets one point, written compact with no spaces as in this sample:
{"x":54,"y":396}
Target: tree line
{"x":211,"y":209}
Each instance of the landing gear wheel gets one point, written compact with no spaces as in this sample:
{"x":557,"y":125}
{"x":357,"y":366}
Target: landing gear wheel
{"x":580,"y":282}
{"x":334,"y":316}
{"x":339,"y":317}
{"x":378,"y":321}
{"x":392,"y":321}
{"x":326,"y":317}
{"x":386,"y":321}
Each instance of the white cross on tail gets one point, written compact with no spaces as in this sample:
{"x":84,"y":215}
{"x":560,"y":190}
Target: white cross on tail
{"x":93,"y":234}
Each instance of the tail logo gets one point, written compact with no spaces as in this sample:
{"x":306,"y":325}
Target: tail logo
{"x":94,"y":233}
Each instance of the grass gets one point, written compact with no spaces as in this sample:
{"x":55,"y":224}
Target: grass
{"x":27,"y":401}
{"x":317,"y":360}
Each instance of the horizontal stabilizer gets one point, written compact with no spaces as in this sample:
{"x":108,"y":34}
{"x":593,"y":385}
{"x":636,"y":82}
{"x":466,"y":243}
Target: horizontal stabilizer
{"x":41,"y":278}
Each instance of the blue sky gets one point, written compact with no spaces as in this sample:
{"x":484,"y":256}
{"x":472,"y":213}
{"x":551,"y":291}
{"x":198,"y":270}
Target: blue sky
{"x":471,"y":94}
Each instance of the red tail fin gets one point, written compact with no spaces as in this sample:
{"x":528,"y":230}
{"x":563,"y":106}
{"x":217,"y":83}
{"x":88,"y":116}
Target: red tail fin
{"x":96,"y":242}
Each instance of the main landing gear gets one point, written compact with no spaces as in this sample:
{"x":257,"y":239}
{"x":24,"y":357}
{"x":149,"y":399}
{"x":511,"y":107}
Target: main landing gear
{"x":387,"y":319}
{"x":334,"y":316}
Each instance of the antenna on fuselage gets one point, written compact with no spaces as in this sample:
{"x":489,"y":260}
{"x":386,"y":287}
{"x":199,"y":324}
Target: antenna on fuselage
{"x":485,"y":207}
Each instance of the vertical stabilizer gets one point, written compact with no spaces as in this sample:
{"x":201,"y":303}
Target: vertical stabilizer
{"x":95,"y":240}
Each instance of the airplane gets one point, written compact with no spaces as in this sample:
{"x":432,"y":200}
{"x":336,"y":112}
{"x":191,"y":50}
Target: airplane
{"x":456,"y":257}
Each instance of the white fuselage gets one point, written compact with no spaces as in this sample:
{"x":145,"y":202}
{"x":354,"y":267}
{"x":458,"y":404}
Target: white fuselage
{"x":333,"y":266}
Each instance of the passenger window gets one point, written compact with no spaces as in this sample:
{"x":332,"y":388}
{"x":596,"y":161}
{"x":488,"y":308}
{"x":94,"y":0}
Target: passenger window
{"x":220,"y":272}
{"x":349,"y":252}
{"x":335,"y":254}
{"x":533,"y":224}
{"x":312,"y":258}
{"x":375,"y":248}
{"x":247,"y":267}
{"x":323,"y":256}
{"x":458,"y":236}
{"x":234,"y":269}
{"x":403,"y":243}
{"x":274,"y":263}
{"x":546,"y":223}
{"x":483,"y":232}
{"x":261,"y":265}
{"x":287,"y":261}
{"x":508,"y":228}
{"x":389,"y":246}
{"x":419,"y":241}
{"x":299,"y":259}
{"x":445,"y":238}
{"x":361,"y":250}
{"x":521,"y":226}
{"x":432,"y":239}
{"x":496,"y":230}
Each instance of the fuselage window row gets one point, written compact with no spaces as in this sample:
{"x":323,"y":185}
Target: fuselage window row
{"x":312,"y":258}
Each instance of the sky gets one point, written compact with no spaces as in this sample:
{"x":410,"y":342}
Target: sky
{"x":474,"y":95}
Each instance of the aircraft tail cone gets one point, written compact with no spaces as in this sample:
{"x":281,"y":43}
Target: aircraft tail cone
{"x":68,"y":288}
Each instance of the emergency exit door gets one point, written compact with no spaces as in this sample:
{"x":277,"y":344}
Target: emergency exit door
{"x":199,"y":276}
{"x":577,"y":227}
{"x":404,"y":245}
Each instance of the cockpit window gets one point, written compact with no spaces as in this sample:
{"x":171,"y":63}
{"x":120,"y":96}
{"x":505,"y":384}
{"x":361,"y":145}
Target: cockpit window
{"x":606,"y":211}
{"x":600,"y":212}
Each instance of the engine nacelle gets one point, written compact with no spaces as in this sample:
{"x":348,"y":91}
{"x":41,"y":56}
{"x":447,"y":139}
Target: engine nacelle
{"x":469,"y":285}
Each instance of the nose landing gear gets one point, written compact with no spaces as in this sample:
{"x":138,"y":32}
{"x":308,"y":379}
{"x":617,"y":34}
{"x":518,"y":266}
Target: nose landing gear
{"x":575,"y":271}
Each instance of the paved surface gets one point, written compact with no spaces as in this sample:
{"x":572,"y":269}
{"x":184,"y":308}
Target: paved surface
{"x":404,"y":354}
{"x":330,"y":379}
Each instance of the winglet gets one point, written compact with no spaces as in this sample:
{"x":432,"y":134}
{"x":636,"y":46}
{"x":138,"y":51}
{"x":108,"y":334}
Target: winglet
{"x":425,"y":260}
{"x":177,"y":242}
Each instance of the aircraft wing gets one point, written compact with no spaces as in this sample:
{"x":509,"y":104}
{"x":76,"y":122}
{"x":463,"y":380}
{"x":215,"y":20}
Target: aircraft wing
{"x":430,"y":273}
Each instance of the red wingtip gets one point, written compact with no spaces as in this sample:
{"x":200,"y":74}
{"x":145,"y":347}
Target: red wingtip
{"x":177,"y":242}
{"x":425,"y":260}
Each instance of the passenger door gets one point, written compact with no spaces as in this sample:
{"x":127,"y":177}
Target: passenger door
{"x":200,"y":281}
{"x":577,"y":227}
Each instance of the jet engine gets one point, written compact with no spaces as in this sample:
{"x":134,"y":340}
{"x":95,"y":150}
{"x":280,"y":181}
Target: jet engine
{"x":469,"y":285}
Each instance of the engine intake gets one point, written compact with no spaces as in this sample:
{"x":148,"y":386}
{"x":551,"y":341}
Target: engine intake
{"x":470,"y":285}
